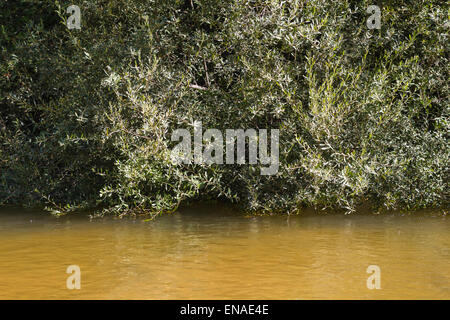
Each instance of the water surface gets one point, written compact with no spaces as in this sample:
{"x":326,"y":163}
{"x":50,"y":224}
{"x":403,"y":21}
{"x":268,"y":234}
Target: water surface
{"x":212,"y":253}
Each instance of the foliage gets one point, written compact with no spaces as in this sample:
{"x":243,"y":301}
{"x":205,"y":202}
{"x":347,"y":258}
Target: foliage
{"x":86,"y":115}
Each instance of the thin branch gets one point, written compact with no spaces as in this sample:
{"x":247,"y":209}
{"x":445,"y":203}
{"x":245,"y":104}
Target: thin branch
{"x":206,"y":71}
{"x":194,"y":86}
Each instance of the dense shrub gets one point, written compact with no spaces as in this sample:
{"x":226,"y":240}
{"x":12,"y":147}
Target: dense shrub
{"x":86,"y":115}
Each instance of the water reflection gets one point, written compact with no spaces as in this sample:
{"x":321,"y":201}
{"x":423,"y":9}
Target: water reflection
{"x":215,"y":254}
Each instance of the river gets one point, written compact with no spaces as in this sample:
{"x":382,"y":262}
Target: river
{"x":214,"y":253}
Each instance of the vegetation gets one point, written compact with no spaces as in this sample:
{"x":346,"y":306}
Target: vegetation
{"x":86,"y":115}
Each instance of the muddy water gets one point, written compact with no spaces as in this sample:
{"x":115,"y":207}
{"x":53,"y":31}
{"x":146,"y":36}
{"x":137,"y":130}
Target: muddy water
{"x":215,"y":254}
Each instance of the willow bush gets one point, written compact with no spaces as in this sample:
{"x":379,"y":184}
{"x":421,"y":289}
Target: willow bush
{"x":86,"y":115}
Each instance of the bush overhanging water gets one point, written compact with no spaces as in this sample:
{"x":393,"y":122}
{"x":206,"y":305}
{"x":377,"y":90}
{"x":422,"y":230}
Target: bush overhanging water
{"x":86,"y":115}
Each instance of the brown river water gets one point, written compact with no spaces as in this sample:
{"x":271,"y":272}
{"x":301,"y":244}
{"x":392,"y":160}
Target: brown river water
{"x":213,"y":253}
